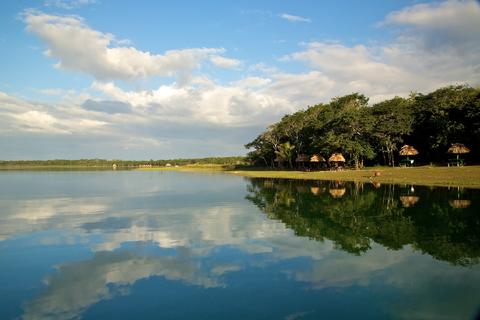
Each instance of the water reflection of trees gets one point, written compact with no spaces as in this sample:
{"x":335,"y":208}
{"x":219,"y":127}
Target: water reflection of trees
{"x":359,"y":214}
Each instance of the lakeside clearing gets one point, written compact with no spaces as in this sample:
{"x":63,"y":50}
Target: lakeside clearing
{"x":467,"y":177}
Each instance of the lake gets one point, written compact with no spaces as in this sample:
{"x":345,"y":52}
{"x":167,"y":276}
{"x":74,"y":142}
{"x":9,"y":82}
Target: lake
{"x":173,"y":245}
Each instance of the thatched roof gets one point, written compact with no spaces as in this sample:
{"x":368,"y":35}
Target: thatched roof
{"x":457,"y":148}
{"x":316,"y":190}
{"x":336,"y":157}
{"x":317,"y":158}
{"x":302,"y":158}
{"x":407,"y":150}
{"x":408,"y":201}
{"x":337,"y":193}
{"x":460,"y":204}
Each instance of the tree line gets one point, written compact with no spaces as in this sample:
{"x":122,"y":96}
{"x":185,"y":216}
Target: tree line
{"x":372,"y":134}
{"x":100,"y":163}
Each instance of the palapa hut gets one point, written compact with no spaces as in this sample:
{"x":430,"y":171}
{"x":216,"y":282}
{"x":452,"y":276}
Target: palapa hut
{"x":337,"y":193}
{"x":316,"y":160}
{"x":407,"y":151}
{"x":457,"y":149}
{"x":337,"y":160}
{"x":114,"y":166}
{"x":301,"y":160}
{"x":408,"y":201}
{"x":460,"y":204}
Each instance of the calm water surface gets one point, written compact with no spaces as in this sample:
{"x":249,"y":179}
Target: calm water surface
{"x":170,"y":245}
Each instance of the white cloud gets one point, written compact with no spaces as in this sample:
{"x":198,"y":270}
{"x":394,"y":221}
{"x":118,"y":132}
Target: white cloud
{"x":252,"y":82}
{"x":80,"y":48}
{"x":19,"y":115}
{"x":292,"y":18}
{"x":233,"y":105}
{"x":460,"y":17}
{"x":437,"y":45}
{"x":223,"y":62}
{"x":38,"y":121}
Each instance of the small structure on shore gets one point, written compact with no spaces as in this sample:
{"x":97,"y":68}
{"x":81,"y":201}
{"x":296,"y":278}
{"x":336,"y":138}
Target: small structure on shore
{"x":337,"y":159}
{"x":407,"y":151}
{"x":337,"y":193}
{"x":457,"y":149}
{"x":460,"y":204}
{"x":316,"y":160}
{"x":168,"y":165}
{"x":408,"y":201}
{"x":301,"y":160}
{"x":114,"y":166}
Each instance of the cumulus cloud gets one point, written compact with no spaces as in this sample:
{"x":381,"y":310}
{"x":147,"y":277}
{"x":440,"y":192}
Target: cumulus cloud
{"x":455,"y":20}
{"x":437,"y":45}
{"x":20,"y":115}
{"x":80,"y":48}
{"x":292,"y":18}
{"x":215,"y":104}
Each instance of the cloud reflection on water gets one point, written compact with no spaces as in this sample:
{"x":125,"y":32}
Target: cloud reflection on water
{"x":191,"y":234}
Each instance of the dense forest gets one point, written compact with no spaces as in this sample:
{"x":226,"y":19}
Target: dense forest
{"x":372,"y":134}
{"x":102,"y":163}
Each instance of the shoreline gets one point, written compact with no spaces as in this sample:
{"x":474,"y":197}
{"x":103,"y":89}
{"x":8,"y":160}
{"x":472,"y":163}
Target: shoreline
{"x":464,"y":177}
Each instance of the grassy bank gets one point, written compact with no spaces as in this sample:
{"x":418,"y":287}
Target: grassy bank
{"x":430,"y":176}
{"x":468,"y":177}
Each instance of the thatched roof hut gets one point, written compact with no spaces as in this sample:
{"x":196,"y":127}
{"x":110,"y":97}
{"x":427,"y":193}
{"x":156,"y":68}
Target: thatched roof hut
{"x":460,"y":204}
{"x":458,"y":148}
{"x":337,"y":193}
{"x":114,"y":166}
{"x":302,"y":158}
{"x":317,"y":158}
{"x":407,"y":150}
{"x":336,"y":157}
{"x":408,"y":201}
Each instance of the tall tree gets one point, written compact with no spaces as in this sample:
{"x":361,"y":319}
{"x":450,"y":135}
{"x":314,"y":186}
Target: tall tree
{"x":393,"y":121}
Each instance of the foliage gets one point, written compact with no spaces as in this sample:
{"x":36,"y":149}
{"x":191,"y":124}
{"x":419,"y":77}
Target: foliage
{"x":102,"y":163}
{"x":364,"y":215}
{"x":374,"y":133}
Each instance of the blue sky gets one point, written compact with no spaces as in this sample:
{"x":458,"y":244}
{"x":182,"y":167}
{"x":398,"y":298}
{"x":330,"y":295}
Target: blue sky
{"x":151,"y":79}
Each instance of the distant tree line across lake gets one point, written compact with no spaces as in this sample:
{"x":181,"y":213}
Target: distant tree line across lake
{"x":103,"y":163}
{"x":373,"y":134}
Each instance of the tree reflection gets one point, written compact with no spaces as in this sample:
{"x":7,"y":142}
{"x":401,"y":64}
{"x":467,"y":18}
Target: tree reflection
{"x":353,"y":215}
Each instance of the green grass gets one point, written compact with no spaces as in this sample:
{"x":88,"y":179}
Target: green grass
{"x":468,"y":177}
